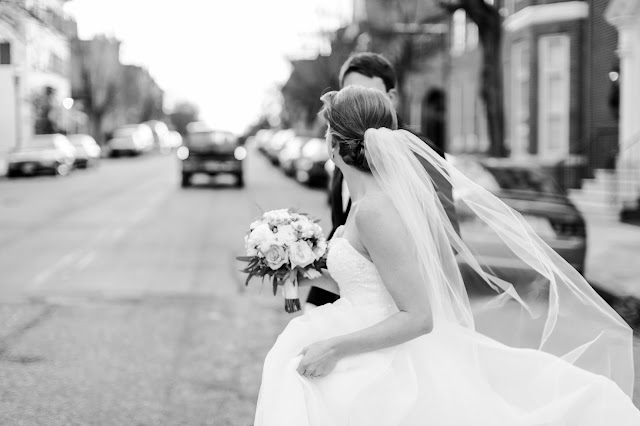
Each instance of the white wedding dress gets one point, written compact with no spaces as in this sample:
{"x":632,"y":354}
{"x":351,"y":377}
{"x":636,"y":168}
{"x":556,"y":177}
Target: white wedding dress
{"x":451,"y":377}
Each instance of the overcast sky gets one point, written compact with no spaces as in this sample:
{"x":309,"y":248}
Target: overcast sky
{"x":222,"y":55}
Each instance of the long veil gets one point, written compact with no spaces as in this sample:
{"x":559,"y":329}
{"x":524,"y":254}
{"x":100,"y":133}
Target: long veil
{"x":533,"y":300}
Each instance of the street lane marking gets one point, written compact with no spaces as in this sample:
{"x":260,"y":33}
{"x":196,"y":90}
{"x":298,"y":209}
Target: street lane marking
{"x":82,"y":258}
{"x":86,"y":260}
{"x":45,"y":274}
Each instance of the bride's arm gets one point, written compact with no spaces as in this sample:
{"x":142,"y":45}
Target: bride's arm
{"x":387,"y":241}
{"x":324,"y":282}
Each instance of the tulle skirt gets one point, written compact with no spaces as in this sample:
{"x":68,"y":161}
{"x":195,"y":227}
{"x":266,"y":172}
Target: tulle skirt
{"x":452,"y":376}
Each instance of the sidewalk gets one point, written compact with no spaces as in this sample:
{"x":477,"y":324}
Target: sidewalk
{"x":613,"y":257}
{"x":613,"y":267}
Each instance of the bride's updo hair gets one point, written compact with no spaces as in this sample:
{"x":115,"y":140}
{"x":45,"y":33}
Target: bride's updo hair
{"x":350,"y":113}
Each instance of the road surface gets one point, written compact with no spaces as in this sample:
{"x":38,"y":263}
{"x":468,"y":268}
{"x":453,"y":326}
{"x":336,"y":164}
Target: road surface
{"x":121,"y":303}
{"x":120,"y":299}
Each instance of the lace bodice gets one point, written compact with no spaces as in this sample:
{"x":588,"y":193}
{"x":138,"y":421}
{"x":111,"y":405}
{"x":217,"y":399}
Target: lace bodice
{"x":358,"y":279}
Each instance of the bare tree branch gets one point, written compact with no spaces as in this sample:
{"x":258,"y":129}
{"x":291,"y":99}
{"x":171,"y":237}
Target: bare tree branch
{"x":489,"y":22}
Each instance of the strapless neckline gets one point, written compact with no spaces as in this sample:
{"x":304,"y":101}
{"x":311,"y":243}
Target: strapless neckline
{"x":353,"y":249}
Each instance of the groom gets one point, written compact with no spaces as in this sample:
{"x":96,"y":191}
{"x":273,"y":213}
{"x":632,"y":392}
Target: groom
{"x":376,"y":72}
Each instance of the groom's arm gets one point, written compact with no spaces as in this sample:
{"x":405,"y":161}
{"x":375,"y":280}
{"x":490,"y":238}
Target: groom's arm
{"x":318,"y":295}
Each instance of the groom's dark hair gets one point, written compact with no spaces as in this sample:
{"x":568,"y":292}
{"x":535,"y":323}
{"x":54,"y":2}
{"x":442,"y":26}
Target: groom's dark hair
{"x":371,"y":65}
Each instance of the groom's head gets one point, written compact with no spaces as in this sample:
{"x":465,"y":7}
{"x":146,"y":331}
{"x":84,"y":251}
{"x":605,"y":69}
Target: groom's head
{"x":370,"y":70}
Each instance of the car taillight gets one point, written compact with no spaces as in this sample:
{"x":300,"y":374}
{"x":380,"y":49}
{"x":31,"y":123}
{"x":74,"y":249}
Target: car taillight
{"x":569,"y":229}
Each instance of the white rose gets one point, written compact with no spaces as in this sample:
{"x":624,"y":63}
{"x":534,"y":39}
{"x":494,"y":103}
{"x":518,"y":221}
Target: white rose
{"x":255,"y":224}
{"x":285,"y":235}
{"x":250,"y":248}
{"x":321,"y":249}
{"x":300,"y":254}
{"x":262,"y":238}
{"x":276,"y":257}
{"x":277,"y":217}
{"x":304,"y":228}
{"x":317,"y":230}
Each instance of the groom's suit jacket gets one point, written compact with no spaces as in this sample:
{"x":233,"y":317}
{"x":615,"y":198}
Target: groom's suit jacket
{"x":318,"y":296}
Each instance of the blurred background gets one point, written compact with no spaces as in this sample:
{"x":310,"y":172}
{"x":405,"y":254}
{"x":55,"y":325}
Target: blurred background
{"x":139,"y":138}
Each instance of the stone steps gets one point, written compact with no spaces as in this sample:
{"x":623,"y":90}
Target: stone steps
{"x":603,"y":197}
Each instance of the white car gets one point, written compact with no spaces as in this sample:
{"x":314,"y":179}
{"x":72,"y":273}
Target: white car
{"x":87,"y":150}
{"x":132,"y":139}
{"x":52,"y":154}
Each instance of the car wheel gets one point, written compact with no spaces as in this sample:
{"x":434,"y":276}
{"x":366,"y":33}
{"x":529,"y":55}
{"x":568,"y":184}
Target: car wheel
{"x":186,"y":180}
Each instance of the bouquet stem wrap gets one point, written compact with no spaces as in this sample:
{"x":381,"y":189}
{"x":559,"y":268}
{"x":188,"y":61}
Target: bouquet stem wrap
{"x":290,"y":293}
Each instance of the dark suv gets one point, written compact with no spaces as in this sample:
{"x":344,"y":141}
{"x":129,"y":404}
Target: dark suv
{"x":211,"y":152}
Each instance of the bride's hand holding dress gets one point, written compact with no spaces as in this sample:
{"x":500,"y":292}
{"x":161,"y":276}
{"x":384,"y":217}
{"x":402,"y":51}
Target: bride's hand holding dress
{"x":379,"y":230}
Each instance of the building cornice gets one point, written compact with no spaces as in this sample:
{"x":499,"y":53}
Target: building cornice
{"x":547,"y":13}
{"x":621,"y":13}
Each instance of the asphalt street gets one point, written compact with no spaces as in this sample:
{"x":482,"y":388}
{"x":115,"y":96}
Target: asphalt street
{"x":120,"y":297}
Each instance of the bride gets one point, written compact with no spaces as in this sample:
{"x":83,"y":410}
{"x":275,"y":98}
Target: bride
{"x":411,"y":341}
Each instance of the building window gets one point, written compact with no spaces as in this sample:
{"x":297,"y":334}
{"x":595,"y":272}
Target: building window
{"x":520,"y":75}
{"x":459,"y":36}
{"x":469,"y":128}
{"x":472,"y":35}
{"x":553,"y":133}
{"x":5,"y":53}
{"x":457,"y":122}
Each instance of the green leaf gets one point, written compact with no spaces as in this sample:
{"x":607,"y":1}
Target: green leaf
{"x":246,"y":283}
{"x":245,"y":258}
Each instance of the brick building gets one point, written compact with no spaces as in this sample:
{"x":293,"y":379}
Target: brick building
{"x":613,"y":190}
{"x":560,"y":85}
{"x":601,"y":89}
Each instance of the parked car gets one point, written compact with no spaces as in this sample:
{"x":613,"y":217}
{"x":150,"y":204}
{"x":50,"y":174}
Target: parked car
{"x":535,"y":195}
{"x":277,"y":144}
{"x":290,"y":153}
{"x":175,"y":139}
{"x":262,"y":139}
{"x":42,"y":154}
{"x":133,"y":139}
{"x":211,"y":152}
{"x":310,"y":167}
{"x":87,"y":150}
{"x":161,"y":135}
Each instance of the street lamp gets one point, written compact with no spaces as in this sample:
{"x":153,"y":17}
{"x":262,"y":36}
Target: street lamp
{"x":67,"y":103}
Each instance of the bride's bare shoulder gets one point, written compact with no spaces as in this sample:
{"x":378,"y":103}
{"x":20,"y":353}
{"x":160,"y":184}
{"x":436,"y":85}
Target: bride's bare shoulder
{"x":377,"y":211}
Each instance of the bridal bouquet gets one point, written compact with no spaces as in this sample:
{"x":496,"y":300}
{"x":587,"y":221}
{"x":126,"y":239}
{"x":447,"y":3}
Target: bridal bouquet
{"x":284,"y":245}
